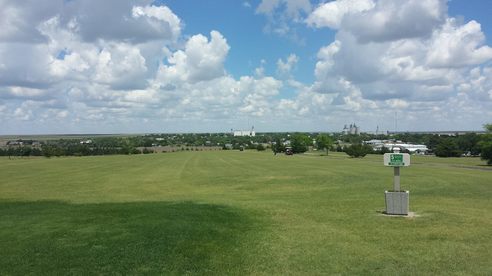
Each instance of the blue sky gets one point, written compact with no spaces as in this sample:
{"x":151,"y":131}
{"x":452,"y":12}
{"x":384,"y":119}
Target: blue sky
{"x":209,"y":66}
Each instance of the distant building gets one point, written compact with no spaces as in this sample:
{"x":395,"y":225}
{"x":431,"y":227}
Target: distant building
{"x":352,"y":129}
{"x":412,"y":148}
{"x":250,"y":133}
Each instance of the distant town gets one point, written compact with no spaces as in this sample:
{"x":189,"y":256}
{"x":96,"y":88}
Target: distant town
{"x":440,"y":143}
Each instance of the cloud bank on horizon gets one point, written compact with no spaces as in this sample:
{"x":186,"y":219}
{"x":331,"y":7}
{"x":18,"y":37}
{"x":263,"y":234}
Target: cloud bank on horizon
{"x":128,"y":66}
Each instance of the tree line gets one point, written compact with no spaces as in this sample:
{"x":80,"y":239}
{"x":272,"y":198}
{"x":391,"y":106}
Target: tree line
{"x":441,"y":145}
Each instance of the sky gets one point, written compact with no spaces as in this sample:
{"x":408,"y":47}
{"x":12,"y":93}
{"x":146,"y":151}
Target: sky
{"x":165,"y":66}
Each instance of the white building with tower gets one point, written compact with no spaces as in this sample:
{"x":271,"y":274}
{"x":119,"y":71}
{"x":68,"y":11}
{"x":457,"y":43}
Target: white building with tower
{"x":250,"y":133}
{"x":352,"y":129}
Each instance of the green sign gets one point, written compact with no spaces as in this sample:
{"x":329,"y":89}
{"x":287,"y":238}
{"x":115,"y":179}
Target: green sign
{"x":396,"y":160}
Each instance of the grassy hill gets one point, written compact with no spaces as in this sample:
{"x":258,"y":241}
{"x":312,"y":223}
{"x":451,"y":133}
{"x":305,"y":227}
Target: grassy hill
{"x":232,"y":212}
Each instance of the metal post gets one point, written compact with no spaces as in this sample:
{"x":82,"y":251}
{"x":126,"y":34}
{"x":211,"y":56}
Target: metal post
{"x":396,"y":182}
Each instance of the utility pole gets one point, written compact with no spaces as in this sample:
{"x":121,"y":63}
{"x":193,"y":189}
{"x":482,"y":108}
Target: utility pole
{"x":396,"y":122}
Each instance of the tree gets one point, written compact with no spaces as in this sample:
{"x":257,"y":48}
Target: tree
{"x":260,"y":147}
{"x":469,"y":143}
{"x":433,"y":141}
{"x":324,"y":142}
{"x":358,"y":150}
{"x":447,"y":148}
{"x":277,"y":147}
{"x":486,"y":145}
{"x":300,"y":143}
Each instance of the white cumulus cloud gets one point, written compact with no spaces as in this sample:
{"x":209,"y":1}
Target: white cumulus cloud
{"x":330,"y":14}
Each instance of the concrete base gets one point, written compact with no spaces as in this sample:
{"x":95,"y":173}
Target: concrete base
{"x":397,"y":202}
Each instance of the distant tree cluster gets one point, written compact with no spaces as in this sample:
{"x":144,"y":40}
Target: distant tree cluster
{"x":470,"y":144}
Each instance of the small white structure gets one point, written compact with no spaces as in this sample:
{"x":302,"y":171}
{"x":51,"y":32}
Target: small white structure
{"x":412,"y":148}
{"x":250,"y":133}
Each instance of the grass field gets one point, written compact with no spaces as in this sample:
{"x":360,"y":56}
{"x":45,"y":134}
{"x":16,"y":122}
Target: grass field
{"x":235,"y":213}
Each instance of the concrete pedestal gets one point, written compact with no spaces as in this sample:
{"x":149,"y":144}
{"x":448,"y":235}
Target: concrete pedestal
{"x":397,"y":202}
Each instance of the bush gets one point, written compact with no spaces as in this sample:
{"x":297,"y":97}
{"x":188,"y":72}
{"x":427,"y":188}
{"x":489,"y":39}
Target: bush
{"x":358,"y":150}
{"x":260,"y":147}
{"x":147,"y":151}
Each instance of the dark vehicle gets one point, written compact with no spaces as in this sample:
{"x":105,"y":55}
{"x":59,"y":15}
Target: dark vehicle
{"x":288,"y":151}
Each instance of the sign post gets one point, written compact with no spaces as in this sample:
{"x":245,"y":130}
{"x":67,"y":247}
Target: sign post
{"x":397,"y":201}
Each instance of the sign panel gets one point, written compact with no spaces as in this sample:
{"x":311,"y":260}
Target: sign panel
{"x":397,"y":159}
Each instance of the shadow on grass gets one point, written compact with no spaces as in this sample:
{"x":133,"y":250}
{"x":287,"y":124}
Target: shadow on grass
{"x":125,"y":238}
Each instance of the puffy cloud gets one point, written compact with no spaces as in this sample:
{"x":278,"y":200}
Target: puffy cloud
{"x":421,"y":58}
{"x":455,"y":45}
{"x":383,"y":20}
{"x":121,"y":66}
{"x":18,"y":66}
{"x":137,"y":70}
{"x":127,"y":20}
{"x":19,"y":19}
{"x":200,"y":60}
{"x":159,"y":18}
{"x":408,"y":56}
{"x":258,"y":93}
{"x":78,"y":74}
{"x":391,"y":20}
{"x":477,"y":85}
{"x":330,"y":14}
{"x":285,"y":67}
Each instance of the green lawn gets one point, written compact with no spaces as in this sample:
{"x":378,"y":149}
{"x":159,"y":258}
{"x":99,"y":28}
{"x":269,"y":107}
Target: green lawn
{"x":235,"y":213}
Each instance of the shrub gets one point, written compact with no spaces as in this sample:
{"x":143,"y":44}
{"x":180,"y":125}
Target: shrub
{"x":358,"y":150}
{"x":147,"y":151}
